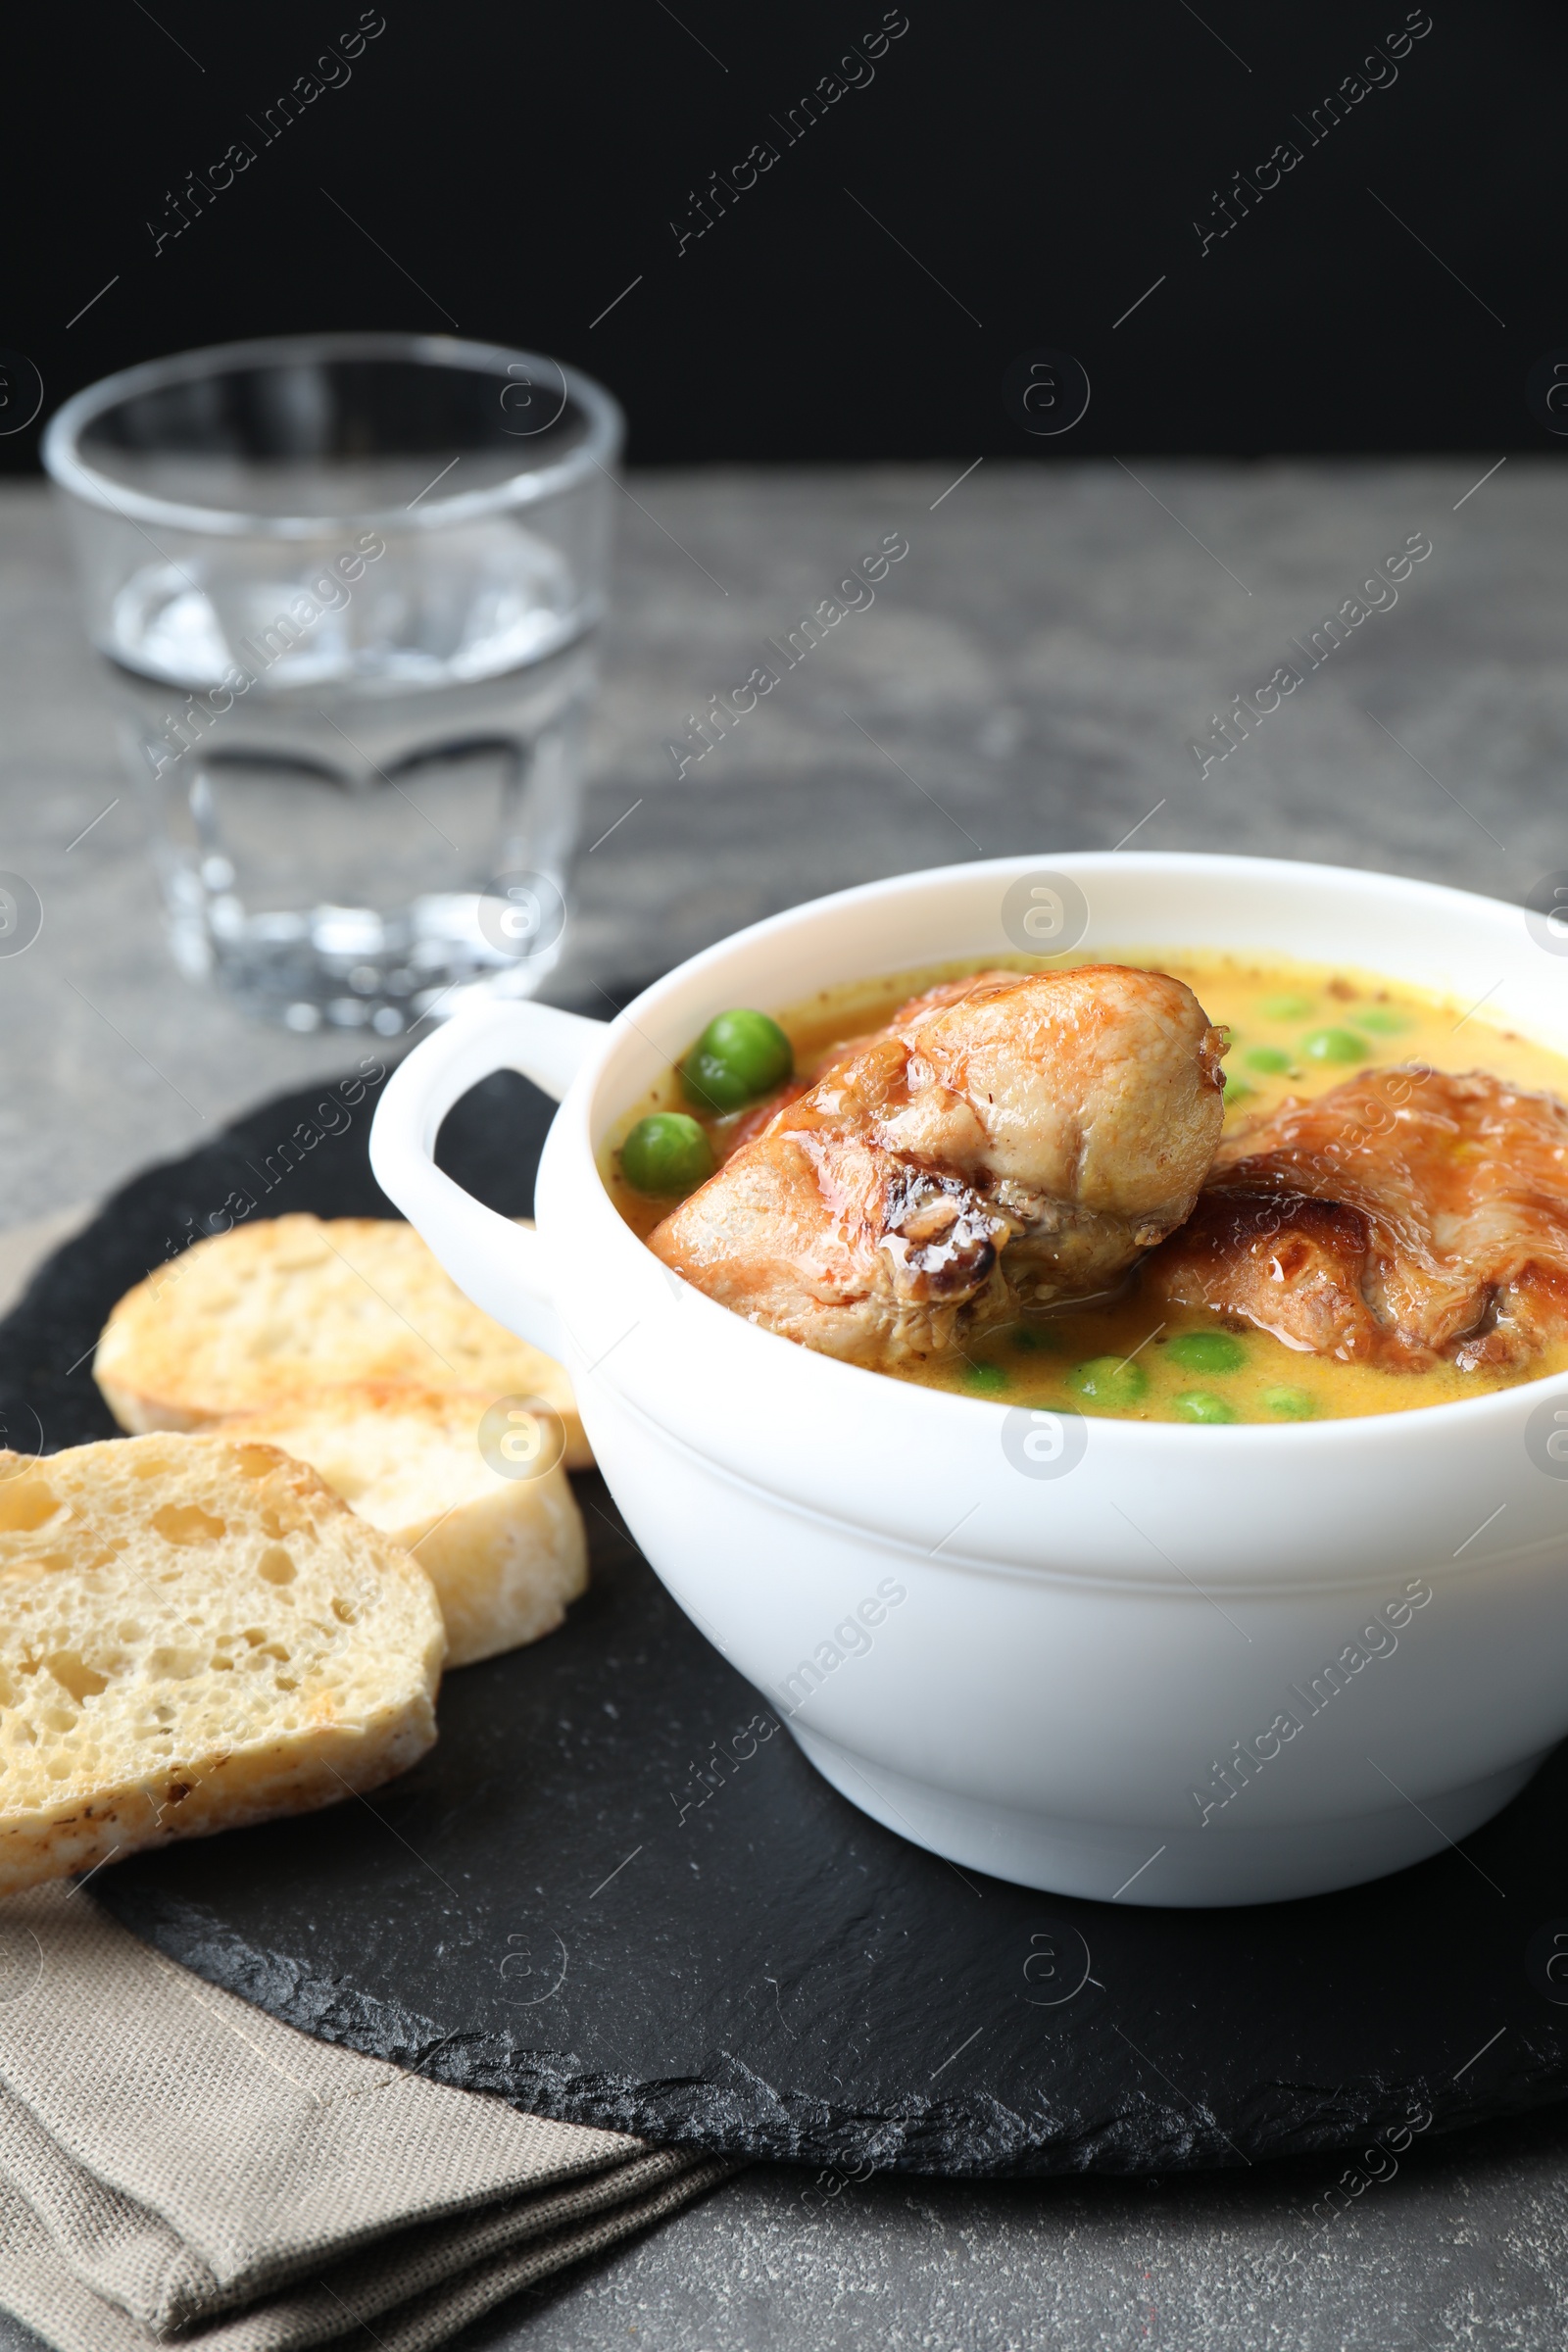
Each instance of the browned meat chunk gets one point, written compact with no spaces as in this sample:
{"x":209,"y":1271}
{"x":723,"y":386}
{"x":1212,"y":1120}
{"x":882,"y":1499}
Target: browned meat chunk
{"x":1403,"y":1219}
{"x":1007,"y":1138}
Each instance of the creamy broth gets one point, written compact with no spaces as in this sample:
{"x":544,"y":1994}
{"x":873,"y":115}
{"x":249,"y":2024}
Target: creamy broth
{"x":1296,"y":1029}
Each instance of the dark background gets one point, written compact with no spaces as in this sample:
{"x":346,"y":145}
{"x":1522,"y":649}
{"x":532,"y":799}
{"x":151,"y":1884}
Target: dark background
{"x":1045,"y":162}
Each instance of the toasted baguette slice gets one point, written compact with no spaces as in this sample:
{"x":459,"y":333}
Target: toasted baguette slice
{"x":194,"y":1634}
{"x":505,"y":1555}
{"x":246,"y":1319}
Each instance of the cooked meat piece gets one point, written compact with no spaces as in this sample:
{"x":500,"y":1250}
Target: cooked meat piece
{"x":1404,"y":1219}
{"x":1007,"y":1138}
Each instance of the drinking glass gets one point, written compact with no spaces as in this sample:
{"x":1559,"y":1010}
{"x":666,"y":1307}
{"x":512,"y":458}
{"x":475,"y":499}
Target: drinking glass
{"x":347,"y":588}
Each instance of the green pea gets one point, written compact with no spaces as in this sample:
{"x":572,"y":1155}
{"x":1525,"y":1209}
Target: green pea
{"x":1381,"y":1022}
{"x":1197,"y":1405}
{"x":1270,"y":1058}
{"x":1291,"y":1405}
{"x":666,"y":1153}
{"x":1207,"y":1351}
{"x":1334,"y":1045}
{"x":986,"y":1378}
{"x":1287,"y":1008}
{"x":739,"y":1055}
{"x":1110,"y":1380}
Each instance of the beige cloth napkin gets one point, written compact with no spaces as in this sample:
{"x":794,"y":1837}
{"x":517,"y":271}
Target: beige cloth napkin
{"x":171,"y":2158}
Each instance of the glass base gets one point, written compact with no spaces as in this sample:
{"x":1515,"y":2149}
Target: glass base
{"x":348,"y":967}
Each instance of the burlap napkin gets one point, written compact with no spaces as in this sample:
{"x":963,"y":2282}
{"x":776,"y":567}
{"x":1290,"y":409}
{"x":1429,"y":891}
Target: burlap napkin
{"x":173,"y":2158}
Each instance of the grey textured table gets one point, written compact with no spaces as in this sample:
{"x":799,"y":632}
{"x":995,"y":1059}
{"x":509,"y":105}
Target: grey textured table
{"x":1031,"y":677}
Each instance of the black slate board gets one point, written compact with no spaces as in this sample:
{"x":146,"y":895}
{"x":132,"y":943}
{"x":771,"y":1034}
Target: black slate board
{"x":616,"y":1892}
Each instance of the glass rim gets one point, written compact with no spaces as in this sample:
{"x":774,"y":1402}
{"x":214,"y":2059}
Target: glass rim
{"x":71,"y":471}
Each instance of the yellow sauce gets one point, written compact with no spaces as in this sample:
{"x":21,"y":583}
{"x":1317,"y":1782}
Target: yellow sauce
{"x":1277,"y":1013}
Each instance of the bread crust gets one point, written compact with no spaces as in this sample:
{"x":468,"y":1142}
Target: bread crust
{"x":245,"y":1320}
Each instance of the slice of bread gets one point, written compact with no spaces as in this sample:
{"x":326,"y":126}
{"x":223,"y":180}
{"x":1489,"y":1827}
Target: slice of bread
{"x":194,"y":1634}
{"x":246,"y":1319}
{"x":505,"y":1555}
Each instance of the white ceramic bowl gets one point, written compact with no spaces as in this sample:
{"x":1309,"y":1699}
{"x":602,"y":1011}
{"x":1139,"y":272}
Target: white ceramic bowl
{"x":1050,"y":1673}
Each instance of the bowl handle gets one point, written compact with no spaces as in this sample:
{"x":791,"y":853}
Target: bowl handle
{"x":501,"y":1266}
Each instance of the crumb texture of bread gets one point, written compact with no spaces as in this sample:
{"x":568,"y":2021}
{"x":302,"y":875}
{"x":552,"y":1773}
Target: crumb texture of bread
{"x":505,"y":1555}
{"x":246,"y":1319}
{"x":195,"y":1634}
